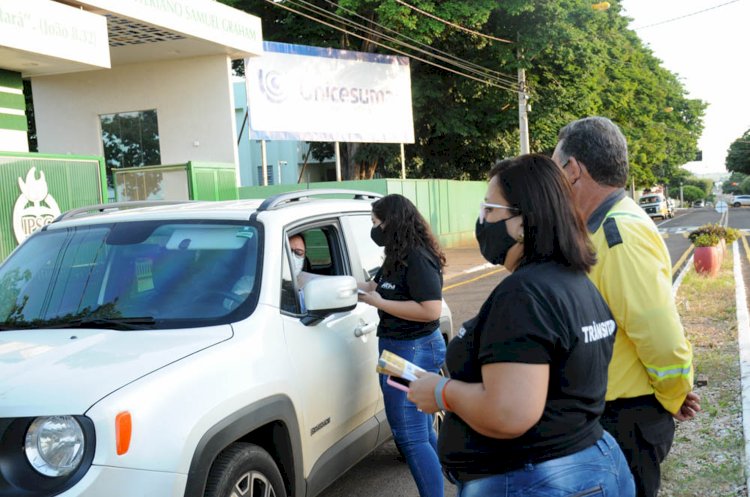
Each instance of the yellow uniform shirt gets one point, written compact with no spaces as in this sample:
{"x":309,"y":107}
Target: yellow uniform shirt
{"x":634,"y":275}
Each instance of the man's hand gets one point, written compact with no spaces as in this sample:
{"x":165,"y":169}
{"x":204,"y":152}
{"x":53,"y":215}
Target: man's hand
{"x":689,"y":408}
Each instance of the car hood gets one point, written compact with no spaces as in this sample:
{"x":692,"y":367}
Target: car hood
{"x":64,"y":371}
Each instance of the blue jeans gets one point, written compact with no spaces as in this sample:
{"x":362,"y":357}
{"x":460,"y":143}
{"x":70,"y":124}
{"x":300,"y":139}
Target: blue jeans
{"x":598,"y":471}
{"x":412,"y":430}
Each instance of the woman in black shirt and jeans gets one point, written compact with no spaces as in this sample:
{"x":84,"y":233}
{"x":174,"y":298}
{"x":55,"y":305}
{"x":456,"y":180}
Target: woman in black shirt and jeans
{"x":529,"y":372}
{"x":408,"y":294}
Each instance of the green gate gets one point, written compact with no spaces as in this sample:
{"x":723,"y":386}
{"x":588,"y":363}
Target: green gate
{"x":36,"y":188}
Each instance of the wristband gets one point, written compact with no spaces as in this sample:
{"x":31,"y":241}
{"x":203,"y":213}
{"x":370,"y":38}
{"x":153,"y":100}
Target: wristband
{"x":440,"y":393}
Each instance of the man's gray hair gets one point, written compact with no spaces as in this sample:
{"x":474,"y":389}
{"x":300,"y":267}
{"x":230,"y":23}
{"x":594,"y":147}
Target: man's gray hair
{"x":599,"y":144}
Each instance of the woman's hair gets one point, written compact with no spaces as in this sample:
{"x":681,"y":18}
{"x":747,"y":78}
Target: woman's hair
{"x":405,"y":229}
{"x":552,"y":227}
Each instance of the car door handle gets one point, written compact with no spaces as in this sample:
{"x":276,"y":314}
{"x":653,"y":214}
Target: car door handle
{"x":364,"y":329}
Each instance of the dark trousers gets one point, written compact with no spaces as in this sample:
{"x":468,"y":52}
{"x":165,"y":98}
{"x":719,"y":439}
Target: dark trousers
{"x":644,"y":430}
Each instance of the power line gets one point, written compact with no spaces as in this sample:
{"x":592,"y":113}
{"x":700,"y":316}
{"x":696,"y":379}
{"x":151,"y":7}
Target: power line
{"x":491,"y":82}
{"x":511,"y":79}
{"x":450,"y":59}
{"x":457,"y":26}
{"x":680,"y":17}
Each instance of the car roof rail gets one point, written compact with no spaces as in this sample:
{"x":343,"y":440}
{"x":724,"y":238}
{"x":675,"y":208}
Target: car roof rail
{"x":115,"y":206}
{"x":286,"y":198}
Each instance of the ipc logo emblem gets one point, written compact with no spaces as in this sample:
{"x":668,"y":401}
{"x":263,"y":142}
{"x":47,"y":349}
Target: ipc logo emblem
{"x":35,"y":207}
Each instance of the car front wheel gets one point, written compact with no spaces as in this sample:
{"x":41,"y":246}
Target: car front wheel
{"x":737,"y":204}
{"x":244,"y":470}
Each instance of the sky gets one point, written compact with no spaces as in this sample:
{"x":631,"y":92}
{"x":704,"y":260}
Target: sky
{"x":708,"y":52}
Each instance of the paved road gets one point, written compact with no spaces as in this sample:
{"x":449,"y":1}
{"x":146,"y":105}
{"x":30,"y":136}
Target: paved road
{"x":381,"y":474}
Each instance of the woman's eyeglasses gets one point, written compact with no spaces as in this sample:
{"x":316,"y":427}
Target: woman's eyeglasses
{"x":486,"y":208}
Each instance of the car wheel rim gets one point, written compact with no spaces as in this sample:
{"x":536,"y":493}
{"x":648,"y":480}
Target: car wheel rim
{"x":252,"y":484}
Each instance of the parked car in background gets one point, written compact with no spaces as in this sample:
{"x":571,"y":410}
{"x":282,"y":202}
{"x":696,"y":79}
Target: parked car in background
{"x":740,"y":200}
{"x":169,"y":350}
{"x":698,"y":203}
{"x":655,"y":205}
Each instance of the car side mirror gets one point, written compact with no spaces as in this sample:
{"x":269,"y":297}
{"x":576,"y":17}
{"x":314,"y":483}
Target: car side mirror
{"x":326,"y":295}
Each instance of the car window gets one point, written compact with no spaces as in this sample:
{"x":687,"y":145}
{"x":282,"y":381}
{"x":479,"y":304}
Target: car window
{"x":318,"y":250}
{"x":175,"y":273}
{"x":649,"y":199}
{"x":325,"y":256}
{"x":371,"y":256}
{"x":290,"y":301}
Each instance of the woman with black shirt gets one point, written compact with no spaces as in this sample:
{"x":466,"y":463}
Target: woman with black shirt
{"x":408,"y":294}
{"x":529,"y":372}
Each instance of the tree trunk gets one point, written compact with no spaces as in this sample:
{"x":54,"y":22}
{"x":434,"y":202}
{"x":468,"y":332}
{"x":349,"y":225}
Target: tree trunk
{"x":349,"y":168}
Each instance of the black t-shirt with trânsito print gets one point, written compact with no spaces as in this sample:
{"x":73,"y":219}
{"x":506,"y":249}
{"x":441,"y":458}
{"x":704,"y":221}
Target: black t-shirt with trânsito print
{"x":420,"y":280}
{"x":543,"y":313}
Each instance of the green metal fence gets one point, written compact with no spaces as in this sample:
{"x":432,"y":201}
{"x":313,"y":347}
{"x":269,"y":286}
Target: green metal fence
{"x":36,"y":188}
{"x":189,"y":181}
{"x":450,"y":206}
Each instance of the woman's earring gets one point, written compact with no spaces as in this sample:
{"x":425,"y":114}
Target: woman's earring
{"x":520,"y":238}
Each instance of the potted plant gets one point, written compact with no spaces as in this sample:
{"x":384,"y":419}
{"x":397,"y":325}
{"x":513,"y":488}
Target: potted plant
{"x":725,"y":235}
{"x":707,"y":258}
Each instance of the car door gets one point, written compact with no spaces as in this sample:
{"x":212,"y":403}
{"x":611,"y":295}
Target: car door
{"x":335,"y":359}
{"x":366,"y":259}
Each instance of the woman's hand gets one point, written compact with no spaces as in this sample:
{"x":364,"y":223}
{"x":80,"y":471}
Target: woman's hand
{"x":372,"y":298}
{"x":422,"y":392}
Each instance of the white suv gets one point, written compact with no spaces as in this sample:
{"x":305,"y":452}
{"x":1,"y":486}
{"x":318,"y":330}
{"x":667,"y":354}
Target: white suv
{"x":740,"y":200}
{"x":164,"y":351}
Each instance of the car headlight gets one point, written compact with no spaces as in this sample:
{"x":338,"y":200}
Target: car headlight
{"x":54,"y":445}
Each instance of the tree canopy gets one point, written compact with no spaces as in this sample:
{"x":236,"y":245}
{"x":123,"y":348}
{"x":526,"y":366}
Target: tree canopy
{"x":738,"y":157}
{"x":692,"y":193}
{"x":578,"y":62}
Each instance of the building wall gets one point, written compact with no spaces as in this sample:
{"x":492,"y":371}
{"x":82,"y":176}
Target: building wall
{"x":192,"y":97}
{"x":13,"y":125}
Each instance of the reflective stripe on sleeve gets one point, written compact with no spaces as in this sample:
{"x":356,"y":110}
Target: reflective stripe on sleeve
{"x":666,"y":372}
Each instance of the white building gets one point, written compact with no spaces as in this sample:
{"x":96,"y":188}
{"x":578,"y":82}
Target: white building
{"x":140,"y":82}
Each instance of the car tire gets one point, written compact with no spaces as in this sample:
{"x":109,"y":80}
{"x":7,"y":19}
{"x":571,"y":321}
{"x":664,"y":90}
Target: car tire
{"x":245,"y":470}
{"x":737,"y":204}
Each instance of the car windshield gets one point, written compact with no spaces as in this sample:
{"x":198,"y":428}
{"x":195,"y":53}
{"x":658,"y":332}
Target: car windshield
{"x":131,"y":275}
{"x":651,"y":199}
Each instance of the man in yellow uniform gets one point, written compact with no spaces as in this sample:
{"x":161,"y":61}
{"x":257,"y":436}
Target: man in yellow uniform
{"x":651,"y":373}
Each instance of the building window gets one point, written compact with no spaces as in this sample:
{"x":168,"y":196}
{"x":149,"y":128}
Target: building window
{"x":131,"y":139}
{"x":269,"y":172}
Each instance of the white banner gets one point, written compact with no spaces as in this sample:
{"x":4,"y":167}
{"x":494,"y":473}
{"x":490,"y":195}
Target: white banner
{"x":297,"y":92}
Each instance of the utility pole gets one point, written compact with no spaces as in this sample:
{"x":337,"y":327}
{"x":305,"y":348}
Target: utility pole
{"x":523,"y":104}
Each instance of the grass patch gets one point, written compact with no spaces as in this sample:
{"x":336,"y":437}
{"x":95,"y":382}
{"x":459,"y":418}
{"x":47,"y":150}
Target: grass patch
{"x":707,"y":455}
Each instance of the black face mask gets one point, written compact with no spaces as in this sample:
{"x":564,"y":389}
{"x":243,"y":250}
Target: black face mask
{"x":494,"y":240}
{"x":378,"y":235}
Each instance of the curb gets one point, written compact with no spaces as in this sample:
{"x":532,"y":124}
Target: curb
{"x":743,"y":337}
